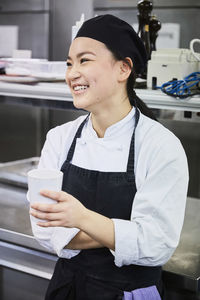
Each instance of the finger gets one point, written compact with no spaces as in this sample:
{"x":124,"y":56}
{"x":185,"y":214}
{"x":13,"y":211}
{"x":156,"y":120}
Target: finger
{"x":44,"y":207}
{"x":58,"y":196}
{"x":45,"y":216}
{"x":49,"y":224}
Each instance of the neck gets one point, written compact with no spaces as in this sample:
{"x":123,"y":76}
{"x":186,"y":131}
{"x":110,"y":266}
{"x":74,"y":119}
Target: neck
{"x":104,"y":119}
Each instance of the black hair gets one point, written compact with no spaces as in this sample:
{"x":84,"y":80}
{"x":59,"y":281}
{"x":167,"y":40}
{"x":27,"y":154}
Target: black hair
{"x":133,"y":98}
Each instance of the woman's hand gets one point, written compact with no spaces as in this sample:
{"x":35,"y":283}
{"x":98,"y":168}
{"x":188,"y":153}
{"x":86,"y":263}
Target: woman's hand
{"x":67,"y":212}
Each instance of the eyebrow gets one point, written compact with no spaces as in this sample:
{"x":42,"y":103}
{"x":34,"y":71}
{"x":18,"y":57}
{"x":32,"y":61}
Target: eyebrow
{"x":81,"y":54}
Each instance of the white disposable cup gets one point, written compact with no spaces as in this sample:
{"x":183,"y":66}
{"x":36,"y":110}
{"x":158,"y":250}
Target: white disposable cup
{"x":43,"y":179}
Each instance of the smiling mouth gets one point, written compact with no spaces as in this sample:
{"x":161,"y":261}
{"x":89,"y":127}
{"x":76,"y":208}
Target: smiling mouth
{"x":80,"y":88}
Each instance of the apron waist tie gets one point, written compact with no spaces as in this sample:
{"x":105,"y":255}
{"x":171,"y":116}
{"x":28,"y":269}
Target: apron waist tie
{"x":149,"y":293}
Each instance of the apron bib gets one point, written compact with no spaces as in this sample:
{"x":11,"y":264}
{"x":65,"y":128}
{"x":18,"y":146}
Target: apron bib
{"x":92,"y":274}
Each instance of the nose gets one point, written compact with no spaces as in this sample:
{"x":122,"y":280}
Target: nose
{"x":72,"y":73}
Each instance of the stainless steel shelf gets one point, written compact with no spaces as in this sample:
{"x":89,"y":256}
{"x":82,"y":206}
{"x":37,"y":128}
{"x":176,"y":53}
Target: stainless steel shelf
{"x":60,"y":92}
{"x":47,"y":91}
{"x":159,"y":100}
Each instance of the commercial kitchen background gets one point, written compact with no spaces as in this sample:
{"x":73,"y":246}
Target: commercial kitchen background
{"x":45,"y":28}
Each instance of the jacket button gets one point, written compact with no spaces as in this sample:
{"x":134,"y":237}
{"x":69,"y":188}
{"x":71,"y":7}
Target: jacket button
{"x":120,"y":148}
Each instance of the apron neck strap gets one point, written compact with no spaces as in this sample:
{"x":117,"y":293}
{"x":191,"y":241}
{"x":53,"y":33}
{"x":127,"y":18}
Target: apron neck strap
{"x":78,"y":134}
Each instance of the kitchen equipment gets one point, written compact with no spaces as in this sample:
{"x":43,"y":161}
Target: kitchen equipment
{"x":170,"y":64}
{"x":148,"y":28}
{"x":15,"y":172}
{"x":192,"y":42}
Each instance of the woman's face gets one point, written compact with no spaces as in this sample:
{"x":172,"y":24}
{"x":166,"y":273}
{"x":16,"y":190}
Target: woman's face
{"x":91,"y":74}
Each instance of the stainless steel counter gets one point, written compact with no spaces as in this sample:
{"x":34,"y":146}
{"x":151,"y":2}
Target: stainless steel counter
{"x":15,"y":233}
{"x":184,"y":266}
{"x":19,"y":251}
{"x":15,"y":224}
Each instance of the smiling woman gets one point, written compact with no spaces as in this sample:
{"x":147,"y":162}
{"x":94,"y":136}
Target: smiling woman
{"x":115,"y":222}
{"x":95,"y":77}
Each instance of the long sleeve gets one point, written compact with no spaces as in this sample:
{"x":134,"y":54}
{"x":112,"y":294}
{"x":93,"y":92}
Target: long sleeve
{"x":53,"y":238}
{"x":153,"y":232}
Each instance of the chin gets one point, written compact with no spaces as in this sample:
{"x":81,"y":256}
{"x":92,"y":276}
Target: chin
{"x":80,"y":104}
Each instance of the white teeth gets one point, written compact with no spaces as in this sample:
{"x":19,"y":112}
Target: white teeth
{"x":80,"y":87}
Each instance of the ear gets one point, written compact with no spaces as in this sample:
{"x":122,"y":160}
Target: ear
{"x":125,"y":68}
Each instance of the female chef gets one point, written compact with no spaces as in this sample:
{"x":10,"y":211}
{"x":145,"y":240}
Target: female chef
{"x":119,"y":215}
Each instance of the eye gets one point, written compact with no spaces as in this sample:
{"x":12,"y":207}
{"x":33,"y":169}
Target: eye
{"x":68,"y":64}
{"x":83,"y":60}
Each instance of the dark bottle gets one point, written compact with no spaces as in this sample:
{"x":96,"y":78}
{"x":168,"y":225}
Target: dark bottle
{"x":154,"y":27}
{"x":145,"y":7}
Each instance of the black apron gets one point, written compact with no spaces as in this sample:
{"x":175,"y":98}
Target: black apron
{"x":92,"y":274}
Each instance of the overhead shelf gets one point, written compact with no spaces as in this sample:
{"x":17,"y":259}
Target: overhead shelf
{"x":60,"y":92}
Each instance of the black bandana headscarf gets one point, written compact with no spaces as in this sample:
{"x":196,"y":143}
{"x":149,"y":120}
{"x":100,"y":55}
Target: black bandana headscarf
{"x":119,"y":36}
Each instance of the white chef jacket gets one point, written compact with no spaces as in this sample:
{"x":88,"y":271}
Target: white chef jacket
{"x":151,"y":235}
